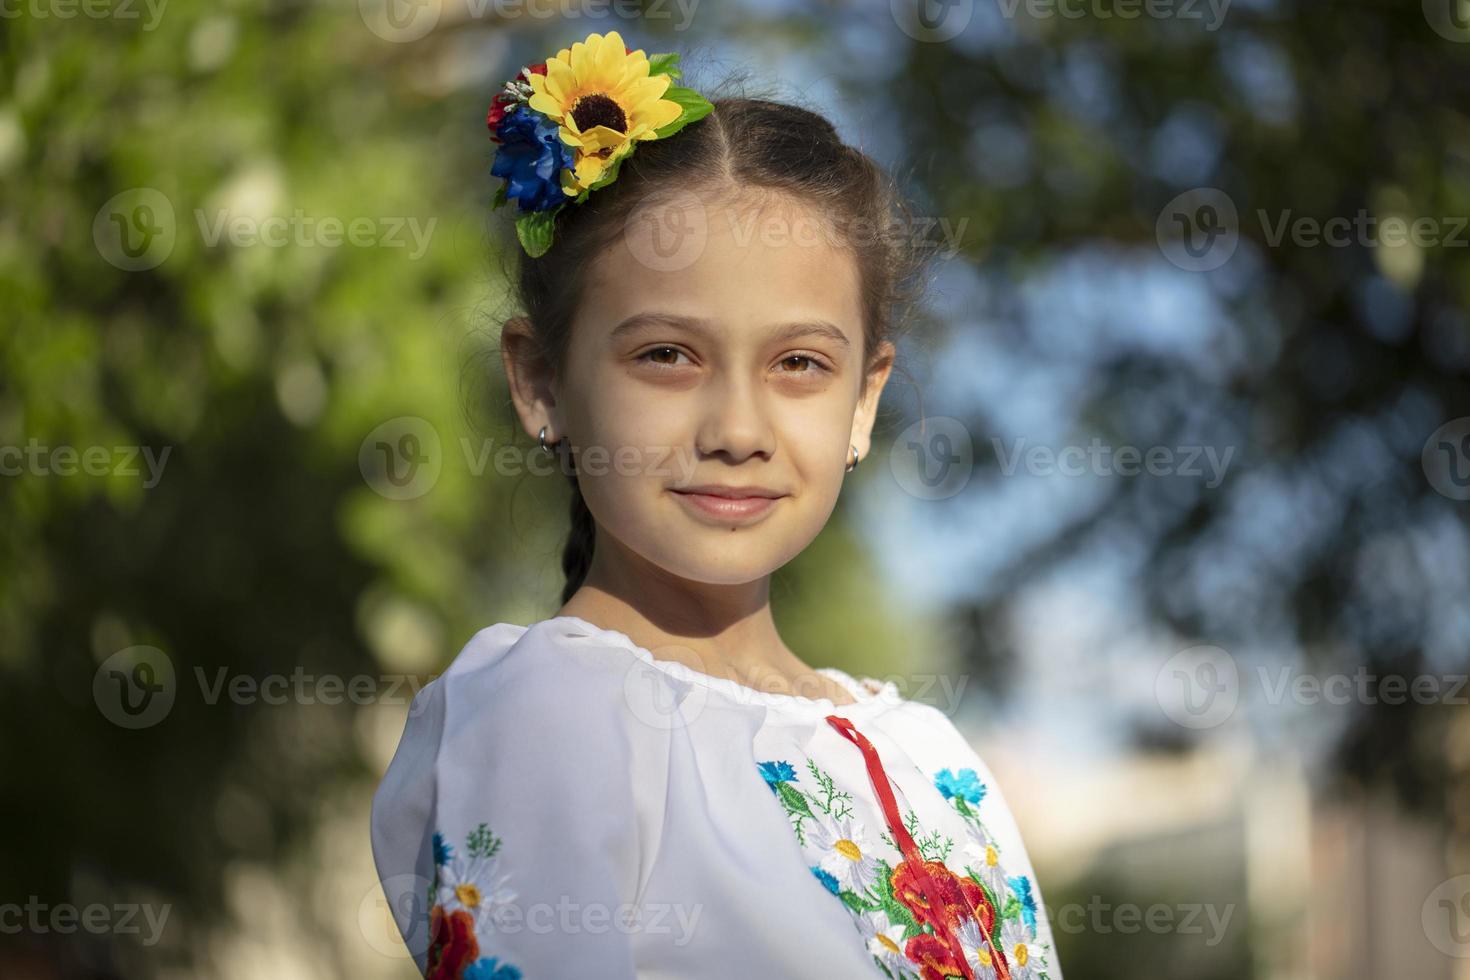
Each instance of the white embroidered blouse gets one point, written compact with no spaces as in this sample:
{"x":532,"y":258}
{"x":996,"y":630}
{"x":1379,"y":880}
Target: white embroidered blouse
{"x":564,"y":805}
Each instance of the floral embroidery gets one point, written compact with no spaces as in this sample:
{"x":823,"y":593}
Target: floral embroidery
{"x":886,"y":901}
{"x":467,"y":893}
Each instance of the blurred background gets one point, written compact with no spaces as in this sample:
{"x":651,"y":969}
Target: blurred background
{"x":1168,"y":510}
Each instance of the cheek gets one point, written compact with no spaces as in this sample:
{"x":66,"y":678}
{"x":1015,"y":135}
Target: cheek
{"x":638,"y":428}
{"x":816,"y":430}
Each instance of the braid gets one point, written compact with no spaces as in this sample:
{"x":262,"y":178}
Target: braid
{"x":576,"y":557}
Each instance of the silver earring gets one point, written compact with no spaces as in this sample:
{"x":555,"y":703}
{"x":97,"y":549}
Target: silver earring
{"x":853,"y":465}
{"x":542,"y":439}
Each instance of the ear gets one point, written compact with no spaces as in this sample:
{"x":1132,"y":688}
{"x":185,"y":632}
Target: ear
{"x":529,"y":378}
{"x":880,"y":367}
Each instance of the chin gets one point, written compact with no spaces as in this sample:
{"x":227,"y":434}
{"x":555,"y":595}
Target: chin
{"x":724,"y":557}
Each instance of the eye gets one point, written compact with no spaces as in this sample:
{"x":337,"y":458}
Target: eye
{"x":803,"y":364}
{"x":661,"y":352}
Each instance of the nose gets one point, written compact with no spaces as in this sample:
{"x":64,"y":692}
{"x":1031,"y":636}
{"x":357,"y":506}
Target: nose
{"x":735,"y":420}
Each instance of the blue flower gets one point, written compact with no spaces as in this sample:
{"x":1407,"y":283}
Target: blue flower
{"x":530,"y":159}
{"x":1021,"y":888}
{"x":777,"y":772}
{"x":966,"y":785}
{"x":487,"y":969}
{"x":828,"y":880}
{"x":442,"y":851}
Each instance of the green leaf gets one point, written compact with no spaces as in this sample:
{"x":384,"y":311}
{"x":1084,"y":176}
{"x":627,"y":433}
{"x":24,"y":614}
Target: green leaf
{"x":664,"y":64}
{"x":898,"y":913}
{"x":793,"y":800}
{"x":694,"y":106}
{"x":482,"y":843}
{"x":534,"y":230}
{"x":500,"y":198}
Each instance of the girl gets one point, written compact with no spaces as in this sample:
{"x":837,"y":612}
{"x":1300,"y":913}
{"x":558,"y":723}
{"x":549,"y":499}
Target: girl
{"x":651,"y":783}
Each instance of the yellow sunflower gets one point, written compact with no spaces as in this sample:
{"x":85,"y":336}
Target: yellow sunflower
{"x":604,"y":99}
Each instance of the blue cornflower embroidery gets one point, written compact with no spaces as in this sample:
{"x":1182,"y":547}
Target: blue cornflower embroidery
{"x":490,"y":968}
{"x":777,"y":772}
{"x":828,"y":880}
{"x":966,"y":785}
{"x":443,"y":852}
{"x":1021,"y":888}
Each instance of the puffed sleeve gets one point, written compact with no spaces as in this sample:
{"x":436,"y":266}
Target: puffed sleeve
{"x":518,"y":819}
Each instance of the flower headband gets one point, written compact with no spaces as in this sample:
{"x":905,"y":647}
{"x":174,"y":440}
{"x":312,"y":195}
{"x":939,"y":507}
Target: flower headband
{"x":565,"y":126}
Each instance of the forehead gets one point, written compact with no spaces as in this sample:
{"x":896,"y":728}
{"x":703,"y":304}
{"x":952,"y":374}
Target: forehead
{"x":745,"y":262}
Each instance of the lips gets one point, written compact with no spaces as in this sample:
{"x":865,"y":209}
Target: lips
{"x":735,"y":493}
{"x":727,"y":505}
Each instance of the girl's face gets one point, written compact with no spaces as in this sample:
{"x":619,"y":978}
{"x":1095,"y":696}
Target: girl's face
{"x":729,"y":358}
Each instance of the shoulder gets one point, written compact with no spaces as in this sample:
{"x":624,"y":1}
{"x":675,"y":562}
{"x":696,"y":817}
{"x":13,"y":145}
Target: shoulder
{"x":523,"y":712}
{"x":512,"y":678}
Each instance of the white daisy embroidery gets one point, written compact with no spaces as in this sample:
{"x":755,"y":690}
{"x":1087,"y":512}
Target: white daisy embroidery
{"x":473,"y":885}
{"x":844,"y":851}
{"x":885,"y":941}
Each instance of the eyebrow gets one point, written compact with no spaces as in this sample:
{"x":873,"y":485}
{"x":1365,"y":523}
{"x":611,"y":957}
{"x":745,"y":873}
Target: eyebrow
{"x":705,"y":327}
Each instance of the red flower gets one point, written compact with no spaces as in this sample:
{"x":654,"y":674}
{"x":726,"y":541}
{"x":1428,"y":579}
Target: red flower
{"x":962,"y":898}
{"x":501,"y":104}
{"x":452,"y":944}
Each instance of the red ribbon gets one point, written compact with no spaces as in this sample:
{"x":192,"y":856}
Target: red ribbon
{"x":931,"y":892}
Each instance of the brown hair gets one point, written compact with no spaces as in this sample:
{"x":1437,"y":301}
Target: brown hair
{"x":744,"y":143}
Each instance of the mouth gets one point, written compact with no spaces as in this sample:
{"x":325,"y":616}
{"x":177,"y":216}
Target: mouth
{"x":725,"y":504}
